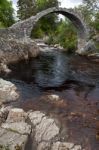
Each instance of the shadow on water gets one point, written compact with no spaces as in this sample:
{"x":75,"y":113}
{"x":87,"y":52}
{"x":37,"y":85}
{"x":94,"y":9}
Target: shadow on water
{"x":75,"y":80}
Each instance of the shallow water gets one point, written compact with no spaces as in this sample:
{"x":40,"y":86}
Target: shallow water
{"x":75,"y":80}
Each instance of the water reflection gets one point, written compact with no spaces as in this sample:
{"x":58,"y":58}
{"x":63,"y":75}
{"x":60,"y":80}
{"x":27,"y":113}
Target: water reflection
{"x":52,"y":69}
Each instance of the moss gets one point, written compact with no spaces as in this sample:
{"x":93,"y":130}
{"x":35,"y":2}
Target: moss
{"x":2,"y":147}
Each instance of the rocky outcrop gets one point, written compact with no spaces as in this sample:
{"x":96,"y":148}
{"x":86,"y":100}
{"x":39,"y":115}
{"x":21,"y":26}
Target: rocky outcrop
{"x":43,"y":130}
{"x":89,"y":48}
{"x":14,"y":131}
{"x":13,"y":50}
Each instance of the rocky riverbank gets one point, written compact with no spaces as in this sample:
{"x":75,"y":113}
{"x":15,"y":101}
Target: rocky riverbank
{"x":20,"y":130}
{"x":31,"y":130}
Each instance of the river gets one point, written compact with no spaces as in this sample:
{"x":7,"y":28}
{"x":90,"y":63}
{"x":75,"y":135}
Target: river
{"x":75,"y":80}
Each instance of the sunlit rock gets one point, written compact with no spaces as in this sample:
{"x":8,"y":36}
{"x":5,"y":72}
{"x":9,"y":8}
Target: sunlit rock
{"x":16,"y":115}
{"x":19,"y":127}
{"x":53,"y":97}
{"x":45,"y":127}
{"x":8,"y":91}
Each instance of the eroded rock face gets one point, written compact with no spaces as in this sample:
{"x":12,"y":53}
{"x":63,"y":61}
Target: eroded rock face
{"x":15,"y":50}
{"x":8,"y":91}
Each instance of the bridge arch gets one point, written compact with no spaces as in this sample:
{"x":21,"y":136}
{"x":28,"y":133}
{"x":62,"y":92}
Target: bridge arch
{"x":25,"y":27}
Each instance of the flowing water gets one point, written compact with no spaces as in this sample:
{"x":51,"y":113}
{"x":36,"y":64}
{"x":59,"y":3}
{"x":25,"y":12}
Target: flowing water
{"x":75,"y":79}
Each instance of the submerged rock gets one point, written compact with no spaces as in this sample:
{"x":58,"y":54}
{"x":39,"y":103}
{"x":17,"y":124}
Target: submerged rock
{"x":8,"y":91}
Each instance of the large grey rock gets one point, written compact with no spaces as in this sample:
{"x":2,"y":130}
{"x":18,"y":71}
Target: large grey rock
{"x":45,"y":128}
{"x":7,"y":91}
{"x":18,"y":127}
{"x":89,"y":48}
{"x":16,"y":122}
{"x":12,"y":140}
{"x":16,"y":115}
{"x":15,"y":50}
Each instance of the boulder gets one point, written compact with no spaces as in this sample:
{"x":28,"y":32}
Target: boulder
{"x":45,"y":128}
{"x":18,"y":127}
{"x":8,"y":91}
{"x":16,"y":115}
{"x":88,"y":49}
{"x":12,"y":140}
{"x":16,"y":50}
{"x":16,"y":122}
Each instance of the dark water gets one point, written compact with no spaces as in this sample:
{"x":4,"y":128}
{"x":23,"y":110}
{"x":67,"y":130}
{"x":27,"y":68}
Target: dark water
{"x":75,"y":80}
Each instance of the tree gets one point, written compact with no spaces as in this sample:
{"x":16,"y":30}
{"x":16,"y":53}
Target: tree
{"x":26,"y":8}
{"x":92,"y":4}
{"x":6,"y":13}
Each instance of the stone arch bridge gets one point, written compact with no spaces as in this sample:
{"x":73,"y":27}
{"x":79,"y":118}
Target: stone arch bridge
{"x":22,"y":29}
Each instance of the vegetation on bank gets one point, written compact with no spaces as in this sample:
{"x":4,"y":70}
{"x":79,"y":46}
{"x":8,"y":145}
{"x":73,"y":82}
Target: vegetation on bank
{"x":6,"y":13}
{"x":56,"y":30}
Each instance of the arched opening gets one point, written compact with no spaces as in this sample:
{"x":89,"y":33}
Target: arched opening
{"x":76,"y":20}
{"x":57,"y":31}
{"x":28,"y":25}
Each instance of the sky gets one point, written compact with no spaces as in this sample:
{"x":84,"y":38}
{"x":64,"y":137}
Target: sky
{"x":64,"y":3}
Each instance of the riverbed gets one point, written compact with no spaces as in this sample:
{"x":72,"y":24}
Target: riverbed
{"x":74,"y":80}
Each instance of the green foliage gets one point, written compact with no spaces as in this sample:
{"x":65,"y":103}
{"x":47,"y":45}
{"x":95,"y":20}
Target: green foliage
{"x":44,"y":4}
{"x":6,"y":13}
{"x":26,"y":9}
{"x":65,"y":35}
{"x":46,"y":25}
{"x":95,"y":22}
{"x":60,"y":32}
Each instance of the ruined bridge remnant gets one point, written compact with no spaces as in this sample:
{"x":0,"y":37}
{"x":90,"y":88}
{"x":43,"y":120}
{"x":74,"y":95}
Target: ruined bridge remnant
{"x":24,"y":28}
